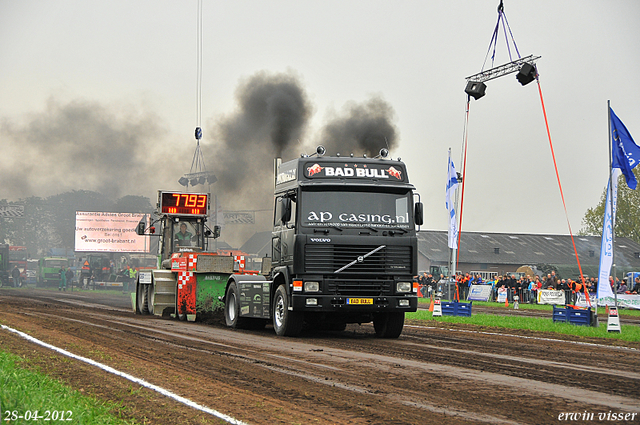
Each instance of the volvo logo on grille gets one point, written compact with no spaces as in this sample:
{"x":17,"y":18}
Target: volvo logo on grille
{"x":360,"y":258}
{"x":325,"y":240}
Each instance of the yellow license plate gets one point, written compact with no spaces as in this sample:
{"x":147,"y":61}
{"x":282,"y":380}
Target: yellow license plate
{"x":359,"y":300}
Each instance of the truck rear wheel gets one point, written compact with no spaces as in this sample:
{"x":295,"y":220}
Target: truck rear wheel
{"x":285,"y":322}
{"x":388,"y":325}
{"x":141,"y":299}
{"x":232,"y":311}
{"x":151,"y":298}
{"x":232,"y":306}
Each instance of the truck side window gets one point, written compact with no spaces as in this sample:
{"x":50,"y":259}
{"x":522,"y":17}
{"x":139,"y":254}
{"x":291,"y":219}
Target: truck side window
{"x":292,"y":221}
{"x":279,"y":209}
{"x":277,"y":212}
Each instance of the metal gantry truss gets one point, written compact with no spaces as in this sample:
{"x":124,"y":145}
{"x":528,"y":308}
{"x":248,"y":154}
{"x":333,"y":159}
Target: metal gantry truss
{"x":201,"y":177}
{"x":501,"y":70}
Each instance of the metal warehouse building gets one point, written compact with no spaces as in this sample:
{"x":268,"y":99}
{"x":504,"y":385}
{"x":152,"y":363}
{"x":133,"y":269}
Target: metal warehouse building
{"x":505,"y":252}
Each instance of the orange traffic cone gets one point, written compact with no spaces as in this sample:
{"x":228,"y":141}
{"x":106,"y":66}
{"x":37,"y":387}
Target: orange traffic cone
{"x":506,"y":301}
{"x":431,"y":304}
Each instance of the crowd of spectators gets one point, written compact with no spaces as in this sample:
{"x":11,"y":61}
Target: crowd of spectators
{"x":525,"y":287}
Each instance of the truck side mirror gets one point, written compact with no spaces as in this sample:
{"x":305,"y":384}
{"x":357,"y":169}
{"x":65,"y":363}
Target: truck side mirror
{"x":418,"y":216}
{"x":140,"y":228}
{"x":286,"y":210}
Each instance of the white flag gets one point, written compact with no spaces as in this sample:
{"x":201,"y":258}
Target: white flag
{"x":452,"y":184}
{"x":606,"y":246}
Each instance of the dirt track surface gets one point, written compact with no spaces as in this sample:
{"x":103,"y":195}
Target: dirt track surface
{"x":435,"y":374}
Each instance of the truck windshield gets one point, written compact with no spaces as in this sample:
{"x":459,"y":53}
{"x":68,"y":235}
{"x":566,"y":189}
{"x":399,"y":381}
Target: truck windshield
{"x":18,"y":255}
{"x":55,"y":263}
{"x":355,"y":209}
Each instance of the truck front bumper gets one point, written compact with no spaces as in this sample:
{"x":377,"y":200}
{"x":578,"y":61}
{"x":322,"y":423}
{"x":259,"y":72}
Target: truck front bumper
{"x":348,"y":304}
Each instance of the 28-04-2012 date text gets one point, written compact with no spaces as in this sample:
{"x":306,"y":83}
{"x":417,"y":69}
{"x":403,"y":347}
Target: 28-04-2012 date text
{"x":9,"y":416}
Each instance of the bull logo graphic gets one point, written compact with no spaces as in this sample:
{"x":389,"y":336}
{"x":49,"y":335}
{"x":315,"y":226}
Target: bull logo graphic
{"x":395,"y":173}
{"x":314,"y":169}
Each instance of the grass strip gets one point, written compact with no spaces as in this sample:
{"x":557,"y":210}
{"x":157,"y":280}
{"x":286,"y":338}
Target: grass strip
{"x":542,"y":307}
{"x":24,"y":392}
{"x":538,"y":324}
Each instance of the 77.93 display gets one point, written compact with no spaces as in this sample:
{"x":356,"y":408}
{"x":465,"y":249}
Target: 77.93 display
{"x":177,"y":203}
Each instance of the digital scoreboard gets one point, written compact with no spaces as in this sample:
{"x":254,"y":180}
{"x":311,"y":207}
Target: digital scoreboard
{"x":178,"y":203}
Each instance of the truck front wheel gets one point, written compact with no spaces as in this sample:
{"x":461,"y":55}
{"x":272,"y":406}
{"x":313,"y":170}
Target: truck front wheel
{"x":388,"y":325}
{"x":285,"y":321}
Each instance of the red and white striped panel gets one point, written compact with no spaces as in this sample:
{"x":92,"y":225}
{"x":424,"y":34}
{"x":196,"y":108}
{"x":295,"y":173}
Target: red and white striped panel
{"x":192,"y":262}
{"x":240,"y":260}
{"x":184,"y":278}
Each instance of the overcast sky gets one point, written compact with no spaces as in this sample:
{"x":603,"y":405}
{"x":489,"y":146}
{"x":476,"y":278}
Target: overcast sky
{"x":102,"y":95}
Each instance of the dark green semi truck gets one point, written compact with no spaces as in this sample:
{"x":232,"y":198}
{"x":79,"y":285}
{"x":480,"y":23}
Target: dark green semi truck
{"x":343,"y":250}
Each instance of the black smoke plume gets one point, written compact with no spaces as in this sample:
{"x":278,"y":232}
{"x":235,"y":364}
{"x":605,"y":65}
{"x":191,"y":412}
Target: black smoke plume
{"x":80,"y":145}
{"x":119,"y":151}
{"x":272,"y":115}
{"x":361,"y":129}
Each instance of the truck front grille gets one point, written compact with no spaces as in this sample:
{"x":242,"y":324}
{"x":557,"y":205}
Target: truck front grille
{"x":326,"y":259}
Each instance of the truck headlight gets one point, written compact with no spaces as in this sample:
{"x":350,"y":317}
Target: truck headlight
{"x":403,"y":303}
{"x":403,"y":287}
{"x":311,"y":286}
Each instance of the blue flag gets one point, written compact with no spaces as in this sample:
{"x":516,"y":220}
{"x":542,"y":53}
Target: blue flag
{"x":606,"y":245}
{"x":626,"y":153}
{"x":452,"y":184}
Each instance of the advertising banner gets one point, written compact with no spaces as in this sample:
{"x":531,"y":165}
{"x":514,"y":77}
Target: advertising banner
{"x":624,"y":300}
{"x":502,"y":295}
{"x":480,"y":293}
{"x":550,"y":296}
{"x":109,"y":232}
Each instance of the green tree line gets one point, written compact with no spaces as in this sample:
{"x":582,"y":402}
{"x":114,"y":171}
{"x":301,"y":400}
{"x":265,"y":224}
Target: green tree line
{"x":627,"y":223}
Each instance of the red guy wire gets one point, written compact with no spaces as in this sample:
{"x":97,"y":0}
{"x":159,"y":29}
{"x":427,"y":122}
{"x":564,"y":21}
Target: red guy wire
{"x":555,"y":165}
